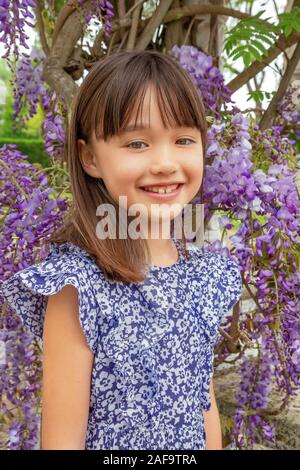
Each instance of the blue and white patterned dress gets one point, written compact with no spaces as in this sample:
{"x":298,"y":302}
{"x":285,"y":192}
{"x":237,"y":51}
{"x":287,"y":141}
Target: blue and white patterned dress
{"x":153,"y":342}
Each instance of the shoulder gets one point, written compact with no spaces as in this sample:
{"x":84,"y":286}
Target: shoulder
{"x":68,"y":254}
{"x":215,"y":264}
{"x":219,"y":271}
{"x":65,"y":265}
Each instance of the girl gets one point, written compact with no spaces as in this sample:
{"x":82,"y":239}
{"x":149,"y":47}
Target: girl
{"x":129,"y":324}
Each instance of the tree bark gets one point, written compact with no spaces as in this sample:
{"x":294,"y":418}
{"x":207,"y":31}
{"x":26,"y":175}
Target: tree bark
{"x":266,"y":120}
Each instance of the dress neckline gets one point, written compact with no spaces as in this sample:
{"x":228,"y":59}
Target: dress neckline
{"x":180,"y":259}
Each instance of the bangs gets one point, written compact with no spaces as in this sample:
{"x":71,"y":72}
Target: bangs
{"x":179,"y":102}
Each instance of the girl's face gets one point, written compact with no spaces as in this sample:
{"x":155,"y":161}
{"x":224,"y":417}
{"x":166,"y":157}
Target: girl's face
{"x":147,"y":157}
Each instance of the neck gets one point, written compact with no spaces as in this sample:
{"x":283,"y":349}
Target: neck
{"x":163,"y":252}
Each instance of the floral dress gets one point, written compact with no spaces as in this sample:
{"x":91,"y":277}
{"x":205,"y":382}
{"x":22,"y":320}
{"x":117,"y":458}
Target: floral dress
{"x":153,"y":342}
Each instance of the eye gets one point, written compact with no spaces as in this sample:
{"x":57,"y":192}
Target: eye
{"x":140,"y":142}
{"x":186,"y":138}
{"x":135,"y":142}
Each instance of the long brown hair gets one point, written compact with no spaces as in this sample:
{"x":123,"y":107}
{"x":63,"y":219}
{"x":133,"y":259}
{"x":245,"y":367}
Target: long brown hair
{"x":103,"y":104}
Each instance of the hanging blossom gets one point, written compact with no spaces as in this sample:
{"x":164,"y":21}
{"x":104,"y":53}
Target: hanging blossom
{"x":254,"y":393}
{"x":101,"y":9}
{"x":30,"y":213}
{"x":208,"y":78}
{"x":19,"y":387}
{"x":53,"y":127}
{"x":250,"y":176}
{"x":15,"y":15}
{"x":29,"y":210}
{"x":288,"y":111}
{"x":30,"y":90}
{"x":28,"y":87}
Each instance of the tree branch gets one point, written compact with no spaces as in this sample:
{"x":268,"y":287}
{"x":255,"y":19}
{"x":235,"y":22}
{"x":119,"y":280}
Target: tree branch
{"x":176,"y":14}
{"x":121,"y":13}
{"x":64,"y":13}
{"x":271,"y":110}
{"x":40,"y":23}
{"x":118,"y":25}
{"x":273,"y":52}
{"x":153,"y":23}
{"x":54,"y":74}
{"x":134,"y":27}
{"x":191,"y":10}
{"x":67,"y":41}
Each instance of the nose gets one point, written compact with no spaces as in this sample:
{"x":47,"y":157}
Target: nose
{"x":164,"y":162}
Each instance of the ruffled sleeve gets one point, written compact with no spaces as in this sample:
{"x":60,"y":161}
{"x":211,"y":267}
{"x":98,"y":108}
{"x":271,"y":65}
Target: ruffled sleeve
{"x":230,"y":286}
{"x":27,"y":291}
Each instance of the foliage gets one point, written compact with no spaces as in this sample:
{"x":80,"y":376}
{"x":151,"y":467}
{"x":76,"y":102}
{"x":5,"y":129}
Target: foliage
{"x":250,"y":38}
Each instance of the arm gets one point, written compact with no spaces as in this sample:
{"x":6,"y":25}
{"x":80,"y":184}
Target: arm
{"x":212,"y":424}
{"x":67,"y":366}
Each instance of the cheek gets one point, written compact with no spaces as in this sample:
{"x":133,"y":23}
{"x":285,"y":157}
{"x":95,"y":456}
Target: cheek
{"x":195,"y":175}
{"x":122,"y":182}
{"x":128,"y":171}
{"x":195,"y":170}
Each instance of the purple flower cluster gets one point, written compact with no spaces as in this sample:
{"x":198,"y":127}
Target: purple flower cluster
{"x":101,"y":9}
{"x":20,"y":387}
{"x":206,"y":76}
{"x":288,"y":110}
{"x":29,"y":90}
{"x":250,"y":180}
{"x":250,"y":177}
{"x":53,"y":127}
{"x":15,"y":15}
{"x":29,"y":210}
{"x":255,"y":387}
{"x":28,"y":87}
{"x":30,"y":213}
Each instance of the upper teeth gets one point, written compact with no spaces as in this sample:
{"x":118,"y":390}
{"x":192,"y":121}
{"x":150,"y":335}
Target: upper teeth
{"x":160,"y":189}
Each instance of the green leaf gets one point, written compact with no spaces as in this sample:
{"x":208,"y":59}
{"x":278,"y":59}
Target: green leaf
{"x":260,"y":95}
{"x":238,"y":55}
{"x":296,"y":24}
{"x":255,"y":53}
{"x":247,"y":59}
{"x":237,"y":50}
{"x":269,"y":40}
{"x":228,"y":45}
{"x":288,"y":29}
{"x":257,"y":95}
{"x":259,"y":46}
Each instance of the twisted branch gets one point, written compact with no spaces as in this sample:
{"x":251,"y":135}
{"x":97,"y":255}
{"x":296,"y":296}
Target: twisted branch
{"x":54,"y":74}
{"x":267,"y":118}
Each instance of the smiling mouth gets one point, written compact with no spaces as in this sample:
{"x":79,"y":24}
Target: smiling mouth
{"x":161,"y":194}
{"x":162,"y":189}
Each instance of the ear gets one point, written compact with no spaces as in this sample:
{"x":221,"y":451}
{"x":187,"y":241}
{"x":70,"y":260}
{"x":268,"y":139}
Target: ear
{"x":87,"y":159}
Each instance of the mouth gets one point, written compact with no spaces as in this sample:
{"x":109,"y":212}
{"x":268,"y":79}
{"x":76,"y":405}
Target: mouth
{"x":163,"y":193}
